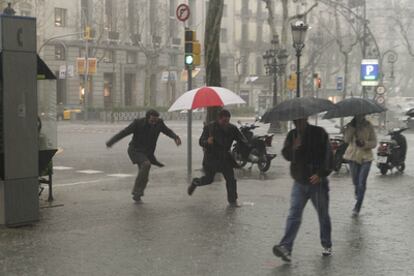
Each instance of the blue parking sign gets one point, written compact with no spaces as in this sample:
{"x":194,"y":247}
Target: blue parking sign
{"x":369,"y":72}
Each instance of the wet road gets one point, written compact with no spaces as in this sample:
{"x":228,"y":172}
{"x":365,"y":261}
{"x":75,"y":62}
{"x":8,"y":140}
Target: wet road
{"x":100,"y":231}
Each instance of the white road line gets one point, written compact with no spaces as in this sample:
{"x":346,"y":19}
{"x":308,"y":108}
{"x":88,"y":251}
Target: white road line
{"x":77,"y":183}
{"x":89,"y":172}
{"x":62,"y":168}
{"x":122,"y":175}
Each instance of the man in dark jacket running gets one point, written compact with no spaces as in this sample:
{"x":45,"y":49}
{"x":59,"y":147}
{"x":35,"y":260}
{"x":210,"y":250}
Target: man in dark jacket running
{"x":308,"y":150}
{"x":142,"y":146}
{"x":216,"y":139}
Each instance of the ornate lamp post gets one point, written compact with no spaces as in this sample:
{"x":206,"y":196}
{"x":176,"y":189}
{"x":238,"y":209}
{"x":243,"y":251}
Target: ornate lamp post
{"x":298,"y":34}
{"x":275,"y":64}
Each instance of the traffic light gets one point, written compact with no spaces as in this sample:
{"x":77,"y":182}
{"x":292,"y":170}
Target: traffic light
{"x":87,"y":34}
{"x":317,"y":80}
{"x":196,"y":53}
{"x":188,"y":47}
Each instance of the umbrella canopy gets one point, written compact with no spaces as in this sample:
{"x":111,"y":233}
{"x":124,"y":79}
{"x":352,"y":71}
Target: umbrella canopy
{"x":205,"y":97}
{"x":297,"y":108}
{"x":410,"y":112}
{"x":354,"y":106}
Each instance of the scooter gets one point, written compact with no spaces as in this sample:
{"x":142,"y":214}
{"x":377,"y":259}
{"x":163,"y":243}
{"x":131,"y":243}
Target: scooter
{"x":255,"y":152}
{"x":339,"y":147}
{"x":391,"y":153}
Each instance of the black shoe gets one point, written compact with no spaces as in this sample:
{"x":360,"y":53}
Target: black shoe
{"x":157,"y":163}
{"x":282,"y":252}
{"x":193,"y":186}
{"x":137,"y":198}
{"x":234,"y":204}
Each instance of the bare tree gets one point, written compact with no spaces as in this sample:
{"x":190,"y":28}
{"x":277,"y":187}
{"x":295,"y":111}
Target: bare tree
{"x":212,"y":49}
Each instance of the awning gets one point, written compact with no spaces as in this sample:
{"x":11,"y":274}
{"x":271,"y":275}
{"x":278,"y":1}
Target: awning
{"x":43,"y":71}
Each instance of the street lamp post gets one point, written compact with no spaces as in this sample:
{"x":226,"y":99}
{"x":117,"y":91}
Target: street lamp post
{"x":298,"y":34}
{"x":275,"y":64}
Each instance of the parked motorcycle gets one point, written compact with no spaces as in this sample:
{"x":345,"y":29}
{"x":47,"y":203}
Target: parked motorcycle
{"x":391,"y":153}
{"x":339,"y":147}
{"x":255,"y":152}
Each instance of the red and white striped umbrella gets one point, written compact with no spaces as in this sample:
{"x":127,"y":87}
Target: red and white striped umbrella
{"x":205,"y":97}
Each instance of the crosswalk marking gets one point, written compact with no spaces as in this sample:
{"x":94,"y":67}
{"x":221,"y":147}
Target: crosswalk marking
{"x":89,"y":171}
{"x":121,"y":175}
{"x":62,"y":168}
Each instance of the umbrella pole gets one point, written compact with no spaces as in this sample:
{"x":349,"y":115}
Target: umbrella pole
{"x":189,"y":128}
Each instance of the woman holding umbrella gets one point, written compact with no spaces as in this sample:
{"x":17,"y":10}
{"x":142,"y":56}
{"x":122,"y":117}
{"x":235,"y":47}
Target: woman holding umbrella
{"x":361,"y":137}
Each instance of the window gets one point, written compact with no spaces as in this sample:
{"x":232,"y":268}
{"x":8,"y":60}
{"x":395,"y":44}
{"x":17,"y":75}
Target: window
{"x":110,"y":12}
{"x":25,"y":13}
{"x":192,"y":20}
{"x":223,"y":33}
{"x":60,"y":17}
{"x":131,"y":57}
{"x":109,"y":56}
{"x":224,"y":62}
{"x":259,"y":33}
{"x":173,"y":60}
{"x":259,"y":66}
{"x":85,"y":13}
{"x":173,"y":6}
{"x":59,"y":52}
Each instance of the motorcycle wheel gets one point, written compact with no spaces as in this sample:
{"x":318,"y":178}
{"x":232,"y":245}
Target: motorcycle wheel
{"x":238,"y":158}
{"x":401,"y":167}
{"x":383,"y":170}
{"x":264,"y":165}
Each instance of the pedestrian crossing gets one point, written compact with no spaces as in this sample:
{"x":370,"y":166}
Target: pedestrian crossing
{"x":92,"y":172}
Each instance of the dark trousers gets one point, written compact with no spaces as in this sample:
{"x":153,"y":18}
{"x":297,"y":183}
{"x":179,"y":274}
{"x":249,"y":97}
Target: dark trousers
{"x":144,"y":166}
{"x":319,"y":195}
{"x":228,"y":172}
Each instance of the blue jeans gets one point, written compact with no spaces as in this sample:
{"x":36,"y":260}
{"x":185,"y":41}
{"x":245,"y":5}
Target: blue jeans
{"x":359,"y":178}
{"x":319,"y":195}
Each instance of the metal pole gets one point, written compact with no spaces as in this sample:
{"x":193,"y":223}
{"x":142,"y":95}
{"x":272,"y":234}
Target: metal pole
{"x":86,"y":83}
{"x":298,"y":73}
{"x":274,"y":84}
{"x":189,"y":128}
{"x":364,"y":48}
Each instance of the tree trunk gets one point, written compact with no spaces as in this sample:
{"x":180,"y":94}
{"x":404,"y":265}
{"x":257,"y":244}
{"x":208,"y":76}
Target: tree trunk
{"x":212,"y":50}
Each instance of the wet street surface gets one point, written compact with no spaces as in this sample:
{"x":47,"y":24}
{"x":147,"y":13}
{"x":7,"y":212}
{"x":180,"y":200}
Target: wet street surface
{"x":94,"y":228}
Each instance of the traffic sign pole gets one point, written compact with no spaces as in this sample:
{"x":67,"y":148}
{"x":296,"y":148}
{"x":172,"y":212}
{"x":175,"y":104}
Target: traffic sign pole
{"x":183,"y":13}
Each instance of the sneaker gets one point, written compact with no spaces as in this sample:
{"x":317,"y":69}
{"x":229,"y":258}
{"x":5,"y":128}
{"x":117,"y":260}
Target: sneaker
{"x":282,"y":252}
{"x":355,"y":213}
{"x":327,"y":251}
{"x":193,"y":186}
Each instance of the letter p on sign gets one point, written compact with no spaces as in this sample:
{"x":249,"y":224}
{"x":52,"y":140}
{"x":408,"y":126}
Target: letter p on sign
{"x":369,"y":69}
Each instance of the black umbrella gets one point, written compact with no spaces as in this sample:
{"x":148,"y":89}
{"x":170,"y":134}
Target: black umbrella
{"x":410,"y":112}
{"x":354,"y":106}
{"x":297,"y":108}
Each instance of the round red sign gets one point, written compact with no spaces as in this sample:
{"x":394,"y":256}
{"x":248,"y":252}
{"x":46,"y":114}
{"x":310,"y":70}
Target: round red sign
{"x":182,"y":12}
